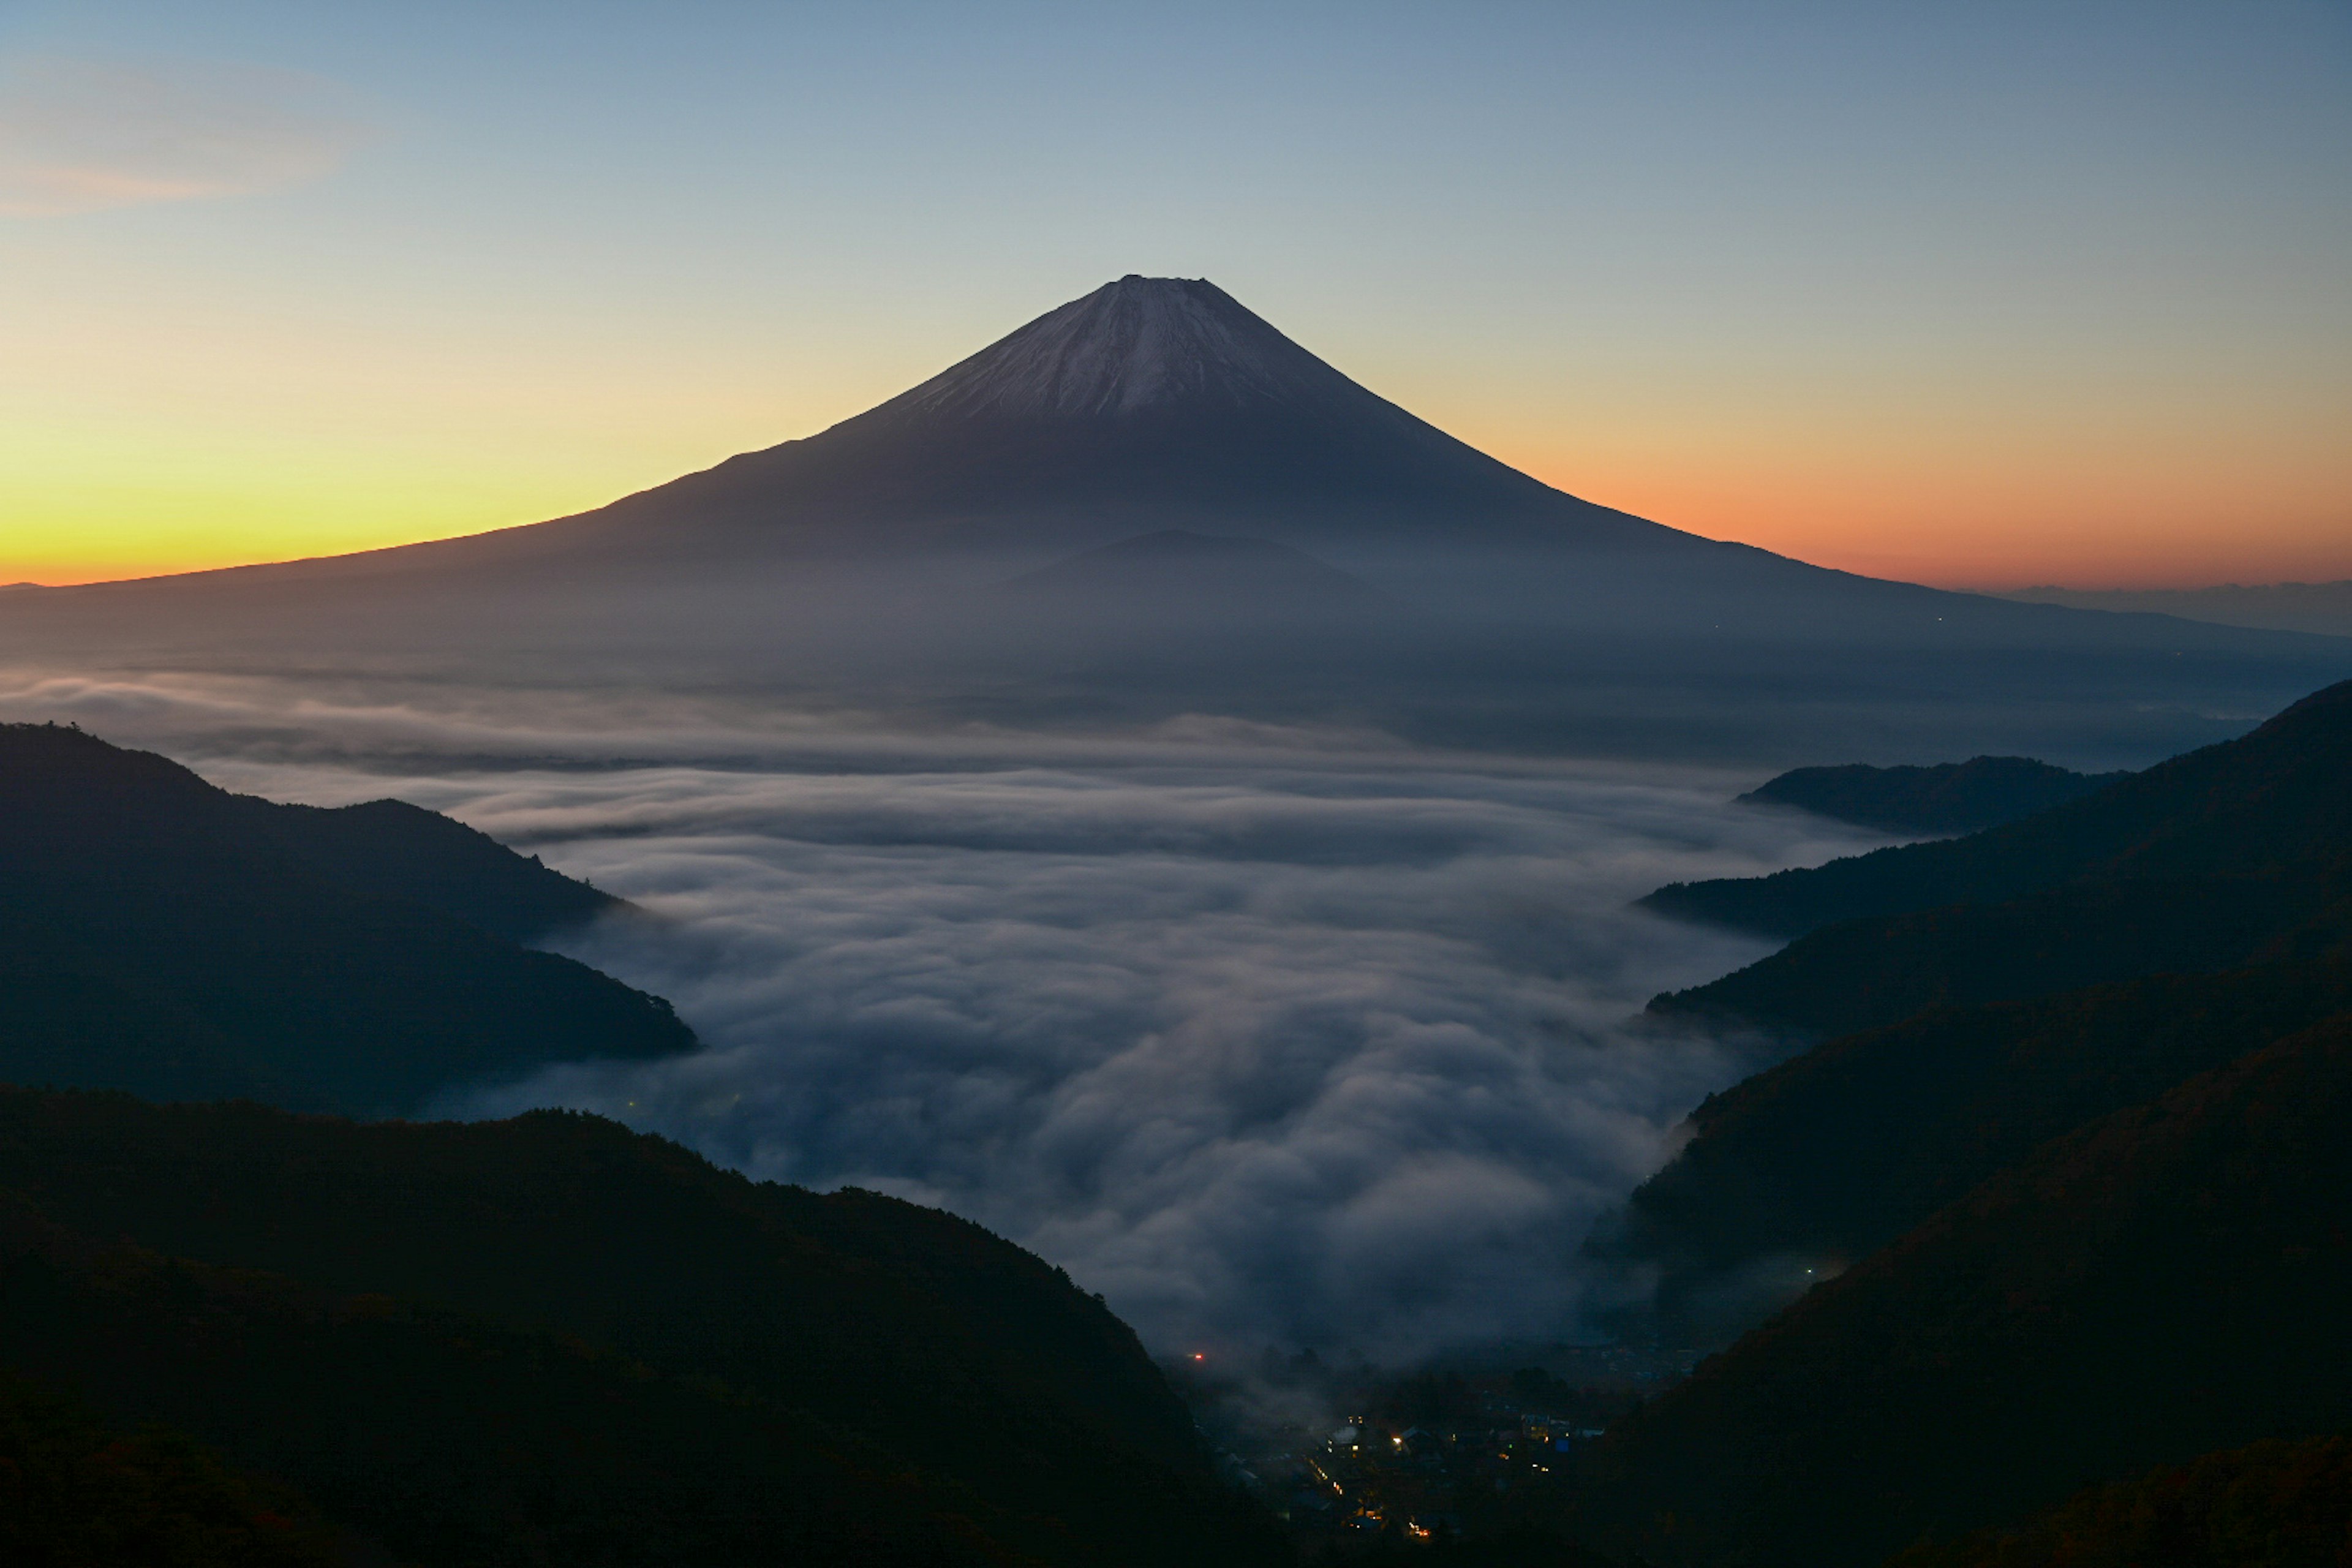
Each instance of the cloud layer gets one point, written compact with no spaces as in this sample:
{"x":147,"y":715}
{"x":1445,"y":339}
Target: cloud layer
{"x":1272,"y":1037}
{"x":78,"y":136}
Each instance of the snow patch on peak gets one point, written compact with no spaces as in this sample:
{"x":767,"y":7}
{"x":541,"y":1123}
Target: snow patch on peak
{"x":1138,"y":344}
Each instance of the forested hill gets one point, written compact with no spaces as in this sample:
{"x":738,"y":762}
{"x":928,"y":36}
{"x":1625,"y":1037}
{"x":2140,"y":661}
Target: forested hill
{"x":67,"y":782}
{"x":2269,"y":803}
{"x":2166,"y":1281}
{"x":161,"y":935}
{"x":1958,"y":1039}
{"x":1950,"y":797}
{"x":2235,"y":855}
{"x":551,"y":1340}
{"x":2061,"y":1200}
{"x":1822,"y":1159}
{"x":2273,"y":1504}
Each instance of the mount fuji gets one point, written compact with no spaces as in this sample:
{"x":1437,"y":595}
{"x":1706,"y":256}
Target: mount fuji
{"x":1153,"y":496}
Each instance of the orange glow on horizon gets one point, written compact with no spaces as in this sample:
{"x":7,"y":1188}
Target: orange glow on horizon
{"x":1927,"y":488}
{"x":1980,"y":532}
{"x":1996,"y":539}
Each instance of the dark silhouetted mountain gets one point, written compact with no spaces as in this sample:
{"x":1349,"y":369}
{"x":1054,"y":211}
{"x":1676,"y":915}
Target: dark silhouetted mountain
{"x":161,"y":935}
{"x":452,"y":1439}
{"x":1795,"y":1172}
{"x":1950,"y":797}
{"x":553,"y":1339}
{"x":1961,"y":1036}
{"x":2236,"y":854}
{"x":2269,"y":1505}
{"x":2265,"y":802}
{"x":1862,"y":973}
{"x":2323,"y":607}
{"x":2165,"y":1282}
{"x":862,"y":558}
{"x":2029,"y":1244}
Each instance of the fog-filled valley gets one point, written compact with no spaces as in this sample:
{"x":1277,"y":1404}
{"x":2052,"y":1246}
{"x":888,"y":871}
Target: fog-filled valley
{"x":1296,"y":1037}
{"x":1135,"y":957}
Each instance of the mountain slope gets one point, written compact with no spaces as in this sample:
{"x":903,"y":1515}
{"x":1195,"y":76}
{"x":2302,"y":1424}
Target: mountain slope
{"x":1178,"y":580}
{"x":2324,"y":607}
{"x":2272,"y":802}
{"x":2165,"y":1282}
{"x":2238,"y":854}
{"x":2268,"y":1505}
{"x":2087,"y":1234}
{"x":74,"y":1491}
{"x":161,"y":935}
{"x":448,"y":1439}
{"x":1150,"y":403}
{"x":1950,"y":797}
{"x":1797,"y":1171}
{"x":798,"y":1355}
{"x":857,"y":564}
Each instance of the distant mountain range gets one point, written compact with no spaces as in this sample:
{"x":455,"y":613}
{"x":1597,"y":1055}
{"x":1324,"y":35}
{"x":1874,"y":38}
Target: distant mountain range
{"x":2324,"y":607}
{"x":1386,"y":570}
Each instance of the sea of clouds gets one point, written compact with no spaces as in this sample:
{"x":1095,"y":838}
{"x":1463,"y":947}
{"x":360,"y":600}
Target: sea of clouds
{"x":1289,"y":1038}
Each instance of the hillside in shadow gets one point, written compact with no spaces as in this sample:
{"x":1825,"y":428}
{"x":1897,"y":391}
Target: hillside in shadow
{"x":161,"y":935}
{"x":552,"y":1340}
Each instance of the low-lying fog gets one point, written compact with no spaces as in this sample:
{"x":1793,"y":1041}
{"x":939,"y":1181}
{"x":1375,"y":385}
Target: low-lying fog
{"x":1271,"y":1037}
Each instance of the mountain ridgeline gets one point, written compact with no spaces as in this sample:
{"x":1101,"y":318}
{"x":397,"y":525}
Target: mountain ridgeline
{"x":2324,"y":607}
{"x":1140,"y":503}
{"x":2161,"y":1283}
{"x":2230,"y":855}
{"x":1950,"y":797}
{"x":230,"y":1332}
{"x":2059,"y":1199}
{"x":161,"y":935}
{"x":551,"y":1340}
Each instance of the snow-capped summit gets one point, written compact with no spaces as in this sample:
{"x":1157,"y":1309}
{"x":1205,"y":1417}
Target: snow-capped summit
{"x":1136,"y":344}
{"x":1149,"y":402}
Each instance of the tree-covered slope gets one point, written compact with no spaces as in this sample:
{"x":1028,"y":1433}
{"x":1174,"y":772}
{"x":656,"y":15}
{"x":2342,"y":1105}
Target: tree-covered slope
{"x":77,"y":1493}
{"x":2269,"y":1505}
{"x":1866,"y":974}
{"x":1836,"y":1153}
{"x":447,"y":1437}
{"x":1950,"y":798}
{"x":2270,"y":804}
{"x":899,"y":1340}
{"x":2235,"y":855}
{"x":161,"y":935}
{"x":2163,"y":1283}
{"x":73,"y":782}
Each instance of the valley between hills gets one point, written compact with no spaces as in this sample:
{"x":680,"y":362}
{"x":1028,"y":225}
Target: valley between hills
{"x":2046,"y":1194}
{"x":1147,"y":944}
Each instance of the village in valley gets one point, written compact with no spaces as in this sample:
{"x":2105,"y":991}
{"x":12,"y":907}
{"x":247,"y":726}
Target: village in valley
{"x":1351,"y":1457}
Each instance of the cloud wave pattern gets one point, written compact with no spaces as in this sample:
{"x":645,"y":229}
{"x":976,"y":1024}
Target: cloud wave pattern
{"x":1270,"y":1039}
{"x":1286,"y":1055}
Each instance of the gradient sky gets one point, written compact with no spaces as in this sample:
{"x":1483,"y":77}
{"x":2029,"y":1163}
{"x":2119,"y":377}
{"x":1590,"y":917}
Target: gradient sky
{"x":1976,"y":294}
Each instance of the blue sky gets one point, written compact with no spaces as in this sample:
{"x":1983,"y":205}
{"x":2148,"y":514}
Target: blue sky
{"x":1965,"y":293}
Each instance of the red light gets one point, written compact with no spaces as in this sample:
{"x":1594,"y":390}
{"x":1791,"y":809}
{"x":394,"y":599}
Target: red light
{"x":1198,"y":1355}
